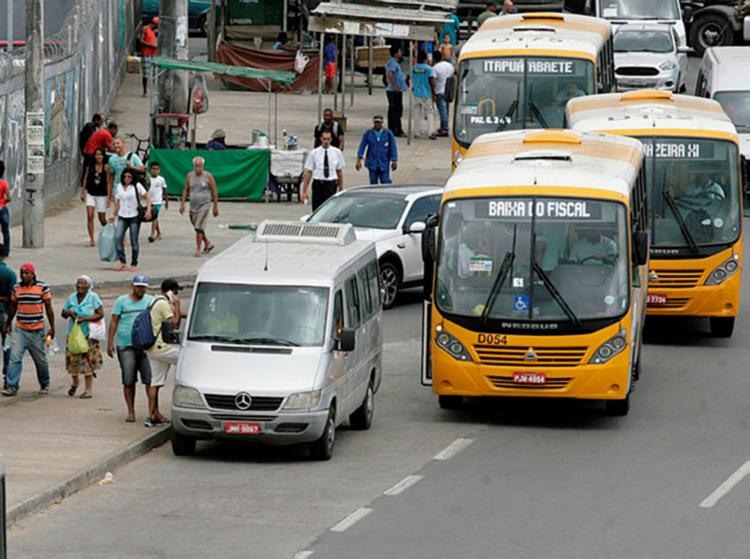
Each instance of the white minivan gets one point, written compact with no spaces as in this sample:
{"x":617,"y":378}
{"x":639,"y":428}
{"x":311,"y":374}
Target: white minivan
{"x":284,"y":340}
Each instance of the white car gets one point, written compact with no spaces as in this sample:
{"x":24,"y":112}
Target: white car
{"x":392,"y":216}
{"x":648,"y":55}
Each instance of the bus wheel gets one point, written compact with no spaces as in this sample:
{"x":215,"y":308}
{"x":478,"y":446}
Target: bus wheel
{"x":617,"y":408}
{"x":182,"y":445}
{"x":451,"y":402}
{"x":722,"y":327}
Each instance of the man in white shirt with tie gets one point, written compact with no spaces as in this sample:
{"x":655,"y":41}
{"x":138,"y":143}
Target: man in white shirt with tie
{"x":325,"y":167}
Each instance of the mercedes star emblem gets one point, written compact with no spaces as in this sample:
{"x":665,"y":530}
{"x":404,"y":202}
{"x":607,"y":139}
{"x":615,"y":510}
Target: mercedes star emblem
{"x":243,"y":401}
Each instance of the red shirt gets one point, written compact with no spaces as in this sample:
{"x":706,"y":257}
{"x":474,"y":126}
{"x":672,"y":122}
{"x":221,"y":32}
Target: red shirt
{"x":4,"y":192}
{"x":99,"y":139}
{"x":148,"y":42}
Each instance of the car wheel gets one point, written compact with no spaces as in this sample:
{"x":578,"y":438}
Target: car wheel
{"x":710,"y":31}
{"x":451,"y":402}
{"x":390,"y":279}
{"x":361,"y":419}
{"x":322,"y":449}
{"x":182,"y":445}
{"x":722,"y":327}
{"x":203,"y":24}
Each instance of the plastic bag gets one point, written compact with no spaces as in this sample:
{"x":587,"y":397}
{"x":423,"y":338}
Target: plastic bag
{"x":77,"y":342}
{"x":107,"y":250}
{"x":300,"y":62}
{"x":98,"y":330}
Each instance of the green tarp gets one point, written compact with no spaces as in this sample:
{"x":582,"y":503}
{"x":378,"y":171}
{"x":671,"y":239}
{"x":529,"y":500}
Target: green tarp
{"x":216,"y":68}
{"x":239,"y":173}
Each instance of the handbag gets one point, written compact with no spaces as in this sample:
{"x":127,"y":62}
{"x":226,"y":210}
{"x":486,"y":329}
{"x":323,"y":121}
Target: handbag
{"x":77,"y":342}
{"x":142,"y":210}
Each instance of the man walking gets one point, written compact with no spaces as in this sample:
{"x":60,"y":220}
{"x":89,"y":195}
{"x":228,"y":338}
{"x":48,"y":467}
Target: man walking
{"x":119,"y":337}
{"x":423,"y":82}
{"x":490,"y":11}
{"x":148,"y":50}
{"x":166,"y":315}
{"x":88,"y":129}
{"x":396,"y":81}
{"x":101,"y":138}
{"x":443,"y":70}
{"x":30,"y":300}
{"x":382,"y":155}
{"x":325,"y":167}
{"x":204,"y":197}
{"x":7,"y":283}
{"x":330,"y":125}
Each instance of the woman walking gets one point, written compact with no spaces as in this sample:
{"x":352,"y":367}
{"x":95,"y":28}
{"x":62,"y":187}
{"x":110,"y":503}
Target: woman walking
{"x":127,"y":199}
{"x":84,"y":307}
{"x":96,"y":191}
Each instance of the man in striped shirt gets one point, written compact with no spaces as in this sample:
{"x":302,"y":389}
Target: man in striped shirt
{"x":30,"y":300}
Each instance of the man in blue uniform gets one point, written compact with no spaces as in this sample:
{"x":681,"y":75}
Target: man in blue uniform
{"x":382,"y":155}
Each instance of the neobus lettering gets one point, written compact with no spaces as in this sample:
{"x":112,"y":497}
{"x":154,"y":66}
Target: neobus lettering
{"x":502,"y":66}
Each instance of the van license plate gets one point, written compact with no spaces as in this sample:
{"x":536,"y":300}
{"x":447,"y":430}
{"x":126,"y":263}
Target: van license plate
{"x":656,"y":299}
{"x":529,"y":378}
{"x":242,"y":428}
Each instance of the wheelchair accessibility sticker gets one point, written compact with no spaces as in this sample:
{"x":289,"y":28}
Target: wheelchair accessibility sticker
{"x":521,"y":302}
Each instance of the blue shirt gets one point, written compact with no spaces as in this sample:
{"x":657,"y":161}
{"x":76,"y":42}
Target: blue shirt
{"x":398,"y":75}
{"x":118,"y":163}
{"x":450,"y":28}
{"x":420,"y":79}
{"x":381,"y":148}
{"x":128,"y":310}
{"x":329,"y":53}
{"x":85,"y":308}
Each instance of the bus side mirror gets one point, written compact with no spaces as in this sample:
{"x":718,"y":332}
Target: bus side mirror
{"x":745,"y":177}
{"x":640,"y":247}
{"x":429,"y":253}
{"x":346,"y":340}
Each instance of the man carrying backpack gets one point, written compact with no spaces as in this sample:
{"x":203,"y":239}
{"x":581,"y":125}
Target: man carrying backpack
{"x":120,"y":337}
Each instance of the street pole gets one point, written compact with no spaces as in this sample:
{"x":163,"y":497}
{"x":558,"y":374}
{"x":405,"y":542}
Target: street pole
{"x":321,"y":76}
{"x":173,"y":43}
{"x":3,"y":531}
{"x":33,"y":197}
{"x":351,"y":69}
{"x":9,"y":17}
{"x":211,"y":32}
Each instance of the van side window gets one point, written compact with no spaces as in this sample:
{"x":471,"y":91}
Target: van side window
{"x":366,"y":295}
{"x":353,"y":307}
{"x":338,"y":315}
{"x":373,"y":284}
{"x":421,"y":208}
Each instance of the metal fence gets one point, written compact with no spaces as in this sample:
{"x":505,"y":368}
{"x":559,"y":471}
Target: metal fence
{"x":84,"y":65}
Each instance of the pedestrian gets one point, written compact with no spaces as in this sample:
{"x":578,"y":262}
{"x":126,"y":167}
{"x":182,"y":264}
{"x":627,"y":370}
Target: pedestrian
{"x":30,"y":300}
{"x":451,"y":27}
{"x":148,"y":50}
{"x":281,"y":40}
{"x":88,"y":129}
{"x":102,"y":138}
{"x":204,"y":196}
{"x":218,"y":140}
{"x":382,"y":155}
{"x":329,"y":125}
{"x":396,"y":81}
{"x":447,"y":52}
{"x":443,"y":71}
{"x":325,"y":167}
{"x":120,"y":158}
{"x":96,"y":191}
{"x":166,"y":315}
{"x":423,"y":87}
{"x":330,"y":53}
{"x":509,"y":7}
{"x":83,"y":307}
{"x":7,"y":283}
{"x":4,"y":211}
{"x":159,"y":199}
{"x":489,"y":11}
{"x":133,"y":362}
{"x":128,"y":196}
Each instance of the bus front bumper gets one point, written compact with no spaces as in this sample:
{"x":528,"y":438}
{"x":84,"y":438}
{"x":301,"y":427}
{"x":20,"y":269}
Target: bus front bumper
{"x":721,"y":300}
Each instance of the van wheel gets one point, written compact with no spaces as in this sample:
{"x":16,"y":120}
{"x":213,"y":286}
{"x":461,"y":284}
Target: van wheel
{"x":390,"y":278}
{"x":722,"y":327}
{"x":617,"y":408}
{"x":322,"y":449}
{"x":361,"y":419}
{"x":182,"y":445}
{"x":451,"y":402}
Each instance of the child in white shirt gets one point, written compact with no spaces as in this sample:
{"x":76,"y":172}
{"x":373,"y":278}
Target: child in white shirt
{"x":158,"y":192}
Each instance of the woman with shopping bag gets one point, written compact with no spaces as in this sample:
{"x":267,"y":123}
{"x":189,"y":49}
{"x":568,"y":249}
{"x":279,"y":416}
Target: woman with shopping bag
{"x":83,"y":355}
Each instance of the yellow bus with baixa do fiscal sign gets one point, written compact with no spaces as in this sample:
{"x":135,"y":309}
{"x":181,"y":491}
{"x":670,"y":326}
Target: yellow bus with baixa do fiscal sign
{"x":518,"y":71}
{"x":536,"y":270}
{"x":694,"y":176}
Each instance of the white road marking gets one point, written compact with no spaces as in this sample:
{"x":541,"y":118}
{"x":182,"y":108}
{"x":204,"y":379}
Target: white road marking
{"x":727,"y":486}
{"x":303,"y":554}
{"x":452,"y":449}
{"x":403,"y":485}
{"x":351,"y":520}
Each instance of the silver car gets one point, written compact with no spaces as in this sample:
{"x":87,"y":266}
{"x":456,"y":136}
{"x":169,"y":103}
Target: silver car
{"x":649,"y":56}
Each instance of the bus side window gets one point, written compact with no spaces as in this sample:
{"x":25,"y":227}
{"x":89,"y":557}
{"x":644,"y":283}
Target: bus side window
{"x":353,"y":307}
{"x":338,"y":315}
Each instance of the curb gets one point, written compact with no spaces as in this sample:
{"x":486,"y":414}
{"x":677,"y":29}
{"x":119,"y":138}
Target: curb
{"x":85,"y":477}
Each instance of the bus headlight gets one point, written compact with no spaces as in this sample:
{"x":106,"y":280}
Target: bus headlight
{"x":722,"y":272}
{"x":303,"y":400}
{"x":457,"y":157}
{"x":609,"y":349}
{"x":452,"y":346}
{"x":186,"y":397}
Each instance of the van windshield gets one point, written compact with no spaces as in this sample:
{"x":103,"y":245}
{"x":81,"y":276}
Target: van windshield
{"x":259,"y":314}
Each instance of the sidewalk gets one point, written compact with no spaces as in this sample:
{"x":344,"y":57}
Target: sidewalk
{"x":55,"y":445}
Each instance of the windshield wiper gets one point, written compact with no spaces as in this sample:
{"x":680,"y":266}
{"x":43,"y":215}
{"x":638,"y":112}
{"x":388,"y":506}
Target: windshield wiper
{"x":556,"y":295}
{"x":506,"y":119}
{"x":681,"y":222}
{"x":502,"y":274}
{"x":538,"y":114}
{"x":267,"y":341}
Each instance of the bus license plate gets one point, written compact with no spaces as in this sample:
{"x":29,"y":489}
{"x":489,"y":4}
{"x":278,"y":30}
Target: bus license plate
{"x":241,"y":428}
{"x":656,"y":299}
{"x":529,"y":378}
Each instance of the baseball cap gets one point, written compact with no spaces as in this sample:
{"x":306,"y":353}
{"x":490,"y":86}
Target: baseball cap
{"x":28,"y":267}
{"x":170,"y":284}
{"x":140,"y":280}
{"x":155,"y":20}
{"x":378,"y":117}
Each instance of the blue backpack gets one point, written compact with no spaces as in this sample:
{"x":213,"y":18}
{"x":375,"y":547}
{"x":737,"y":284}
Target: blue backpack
{"x":143,"y":330}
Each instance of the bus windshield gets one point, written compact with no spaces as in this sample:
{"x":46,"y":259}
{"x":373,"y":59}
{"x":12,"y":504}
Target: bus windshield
{"x":694,"y":192}
{"x":533,"y":259}
{"x":497,"y":94}
{"x":639,"y":9}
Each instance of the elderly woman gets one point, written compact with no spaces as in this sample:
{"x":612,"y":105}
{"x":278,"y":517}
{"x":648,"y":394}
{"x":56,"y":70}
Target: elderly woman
{"x":83,"y":306}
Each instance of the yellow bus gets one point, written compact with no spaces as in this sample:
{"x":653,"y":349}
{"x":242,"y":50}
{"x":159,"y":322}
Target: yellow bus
{"x":538,"y":286}
{"x":518,"y":71}
{"x":694,"y":185}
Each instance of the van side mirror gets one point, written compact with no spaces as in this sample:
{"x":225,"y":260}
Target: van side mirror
{"x":346,"y":340}
{"x":640,"y":247}
{"x":415,"y":227}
